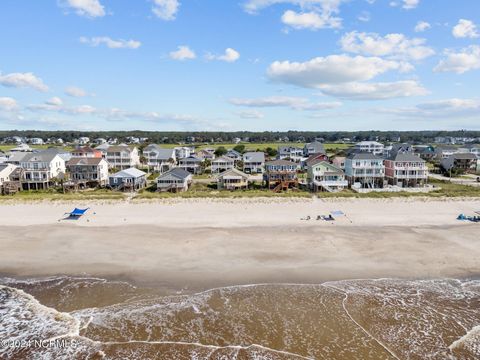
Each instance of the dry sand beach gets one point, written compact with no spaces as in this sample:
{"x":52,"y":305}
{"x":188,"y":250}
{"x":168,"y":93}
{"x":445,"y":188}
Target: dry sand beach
{"x":203,"y":244}
{"x":192,"y":261}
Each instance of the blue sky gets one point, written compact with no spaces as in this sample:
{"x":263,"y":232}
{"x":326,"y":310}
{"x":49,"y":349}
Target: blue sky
{"x":240,"y":64}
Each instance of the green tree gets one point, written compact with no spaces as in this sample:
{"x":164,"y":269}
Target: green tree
{"x":239,"y":148}
{"x":220,"y":151}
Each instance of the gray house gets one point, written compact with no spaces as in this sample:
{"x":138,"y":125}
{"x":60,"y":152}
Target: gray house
{"x":254,"y":162}
{"x":315,"y":147}
{"x":128,"y":180}
{"x":174,"y":180}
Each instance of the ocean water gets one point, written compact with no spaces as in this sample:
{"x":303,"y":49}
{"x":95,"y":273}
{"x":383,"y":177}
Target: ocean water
{"x":90,"y":318}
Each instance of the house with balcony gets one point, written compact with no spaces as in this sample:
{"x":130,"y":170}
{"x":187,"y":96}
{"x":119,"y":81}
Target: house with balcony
{"x":364,"y":170}
{"x":122,"y":157}
{"x":312,"y":148}
{"x":182,"y":152}
{"x":41,"y":170}
{"x":10,"y":179}
{"x":373,"y":147}
{"x":159,"y":159}
{"x":445,"y":151}
{"x":174,"y":180}
{"x":192,"y":164}
{"x":205,"y":155}
{"x":232,"y":179}
{"x":280,"y":175}
{"x":254,"y":162}
{"x":460,"y":163}
{"x":323,"y":176}
{"x":405,"y":169}
{"x":130,"y":179}
{"x":89,"y":171}
{"x":87,"y":152}
{"x":291,"y":153}
{"x":339,"y":162}
{"x":235,"y":155}
{"x":221,"y":164}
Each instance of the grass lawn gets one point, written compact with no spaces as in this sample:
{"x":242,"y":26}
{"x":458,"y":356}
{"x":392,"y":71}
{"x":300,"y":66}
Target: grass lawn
{"x":260,"y":146}
{"x":6,"y":148}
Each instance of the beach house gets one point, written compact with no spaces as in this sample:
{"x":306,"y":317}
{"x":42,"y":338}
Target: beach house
{"x":192,"y":164}
{"x":339,"y":162}
{"x":291,"y":153}
{"x":222,"y":163}
{"x":182,"y":152}
{"x":232,"y":179}
{"x":445,"y":151}
{"x":372,"y":147}
{"x":159,"y":159}
{"x":459,"y":163}
{"x":323,"y":176}
{"x":315,"y":147}
{"x":122,"y":157}
{"x":41,"y":170}
{"x":364,"y":170}
{"x":405,"y":169}
{"x":89,"y":171}
{"x":205,"y":155}
{"x":86,"y":151}
{"x":10,"y":178}
{"x":235,"y":155}
{"x":174,"y":180}
{"x":254,"y":162}
{"x":130,"y":179}
{"x":280,"y":175}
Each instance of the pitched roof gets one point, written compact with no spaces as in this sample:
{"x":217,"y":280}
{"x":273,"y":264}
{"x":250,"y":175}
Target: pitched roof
{"x":119,"y":148}
{"x":177,"y":173}
{"x":231,"y":172}
{"x":363,"y":156}
{"x":316,"y":147}
{"x":464,"y":156}
{"x":191,"y":158}
{"x":410,"y":157}
{"x":161,"y":153}
{"x":332,"y":167}
{"x":280,"y":163}
{"x":84,"y":161}
{"x":254,"y":156}
{"x":130,"y":172}
{"x":42,"y":156}
{"x":223,"y":159}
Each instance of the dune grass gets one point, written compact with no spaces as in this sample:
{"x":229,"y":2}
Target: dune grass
{"x":56,"y":195}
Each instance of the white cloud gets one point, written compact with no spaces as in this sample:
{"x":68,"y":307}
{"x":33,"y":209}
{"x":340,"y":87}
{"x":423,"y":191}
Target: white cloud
{"x":375,"y":91}
{"x":310,"y":20}
{"x":392,"y":45}
{"x":183,"y":52}
{"x":410,"y":4}
{"x":314,"y":14}
{"x":460,"y":62}
{"x":251,"y":114}
{"x":88,"y":8}
{"x":230,"y":55}
{"x":166,"y":9}
{"x":465,"y":28}
{"x":55,"y":101}
{"x":23,"y":80}
{"x":451,"y":104}
{"x":333,"y":69}
{"x":293,"y":102}
{"x":75,"y":91}
{"x":422,"y":26}
{"x":454,"y":109}
{"x":110,"y":43}
{"x":8,"y":104}
{"x":364,"y":16}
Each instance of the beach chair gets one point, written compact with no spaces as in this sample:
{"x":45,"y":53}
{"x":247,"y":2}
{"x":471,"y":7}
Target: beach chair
{"x":76,"y":213}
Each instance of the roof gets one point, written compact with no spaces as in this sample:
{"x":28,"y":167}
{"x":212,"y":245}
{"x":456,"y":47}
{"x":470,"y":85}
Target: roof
{"x":363,"y":156}
{"x":191,"y":158}
{"x":177,"y":173}
{"x":316,"y":146}
{"x":255,"y":156}
{"x":368,"y":143}
{"x":42,"y":156}
{"x":464,"y":156}
{"x":332,"y":167}
{"x":161,"y":153}
{"x":234,"y":152}
{"x":280,"y":163}
{"x":118,"y":148}
{"x":223,"y":159}
{"x":410,"y":157}
{"x":130,"y":172}
{"x":18,"y":156}
{"x":84,"y":161}
{"x":234,"y":172}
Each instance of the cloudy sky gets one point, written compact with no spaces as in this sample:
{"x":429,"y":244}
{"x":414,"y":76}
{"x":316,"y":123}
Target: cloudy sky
{"x":240,"y":64}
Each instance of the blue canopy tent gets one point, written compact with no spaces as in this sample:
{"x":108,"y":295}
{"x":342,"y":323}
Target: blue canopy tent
{"x":76,"y":213}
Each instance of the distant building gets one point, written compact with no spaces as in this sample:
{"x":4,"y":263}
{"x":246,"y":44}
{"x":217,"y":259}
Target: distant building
{"x":312,"y":148}
{"x":36,"y":141}
{"x":122,"y":157}
{"x":159,"y":159}
{"x":372,"y":147}
{"x":460,"y":163}
{"x":291,"y":153}
{"x":339,"y":162}
{"x":233,"y":154}
{"x":183,"y":152}
{"x":254,"y":162}
{"x":84,"y":140}
{"x":86,"y":152}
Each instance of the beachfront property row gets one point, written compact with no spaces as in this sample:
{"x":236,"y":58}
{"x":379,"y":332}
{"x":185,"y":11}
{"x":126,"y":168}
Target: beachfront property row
{"x":115,"y":166}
